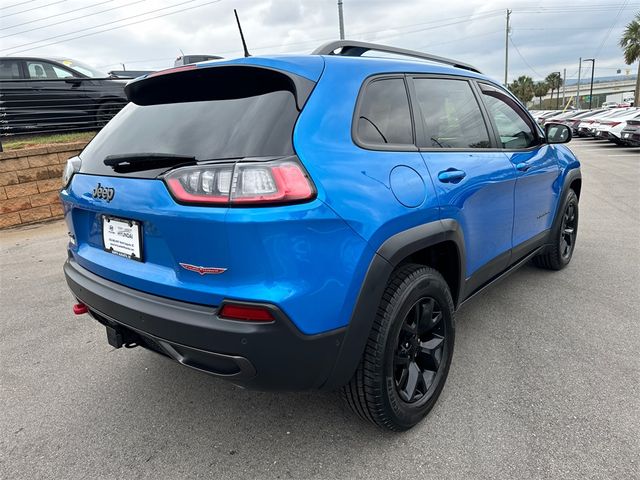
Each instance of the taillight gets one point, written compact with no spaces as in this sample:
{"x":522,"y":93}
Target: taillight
{"x":249,"y":313}
{"x":242,"y":183}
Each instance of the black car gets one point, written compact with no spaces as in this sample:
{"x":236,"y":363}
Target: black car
{"x":47,"y":94}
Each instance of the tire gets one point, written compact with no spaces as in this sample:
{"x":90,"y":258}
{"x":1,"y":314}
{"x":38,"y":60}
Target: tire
{"x":558,"y":255}
{"x":408,"y":353}
{"x":106,"y":111}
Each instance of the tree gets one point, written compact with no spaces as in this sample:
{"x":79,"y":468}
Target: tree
{"x":540,"y":89}
{"x":554,"y":80}
{"x":630,"y":43}
{"x":522,"y":88}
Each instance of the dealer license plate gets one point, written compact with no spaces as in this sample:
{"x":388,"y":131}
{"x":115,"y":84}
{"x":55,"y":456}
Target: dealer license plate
{"x":122,"y":237}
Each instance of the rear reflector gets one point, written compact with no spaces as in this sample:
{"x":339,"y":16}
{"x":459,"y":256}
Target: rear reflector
{"x":80,"y":309}
{"x":244,"y":312}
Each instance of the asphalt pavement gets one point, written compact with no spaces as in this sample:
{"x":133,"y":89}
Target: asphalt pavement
{"x":545,"y":380}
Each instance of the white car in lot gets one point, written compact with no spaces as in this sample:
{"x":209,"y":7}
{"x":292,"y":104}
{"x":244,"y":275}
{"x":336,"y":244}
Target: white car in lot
{"x":611,"y":127}
{"x":589,"y":125}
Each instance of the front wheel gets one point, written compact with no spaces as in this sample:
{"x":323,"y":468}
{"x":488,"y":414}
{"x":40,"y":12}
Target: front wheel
{"x":558,"y":255}
{"x":407,"y":357}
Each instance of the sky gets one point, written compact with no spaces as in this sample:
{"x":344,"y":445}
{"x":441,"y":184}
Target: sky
{"x":546,"y":36}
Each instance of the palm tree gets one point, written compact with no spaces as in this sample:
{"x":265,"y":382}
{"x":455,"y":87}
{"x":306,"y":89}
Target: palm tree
{"x":554,"y":80}
{"x":522,"y":88}
{"x":630,"y":42}
{"x":540,"y":89}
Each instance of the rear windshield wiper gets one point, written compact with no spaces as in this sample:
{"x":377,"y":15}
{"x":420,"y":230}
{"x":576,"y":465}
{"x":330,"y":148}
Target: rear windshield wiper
{"x":137,"y":162}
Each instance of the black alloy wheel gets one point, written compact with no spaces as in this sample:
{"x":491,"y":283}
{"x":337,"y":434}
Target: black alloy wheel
{"x":419,"y":351}
{"x":568,"y":230}
{"x":562,"y":240}
{"x":408,"y":353}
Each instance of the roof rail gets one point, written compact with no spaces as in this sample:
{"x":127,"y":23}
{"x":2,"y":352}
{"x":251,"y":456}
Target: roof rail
{"x":351,"y":48}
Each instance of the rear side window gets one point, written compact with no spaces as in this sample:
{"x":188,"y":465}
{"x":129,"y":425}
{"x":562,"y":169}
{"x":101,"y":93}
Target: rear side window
{"x":451,"y":114}
{"x":9,"y":69}
{"x":384,"y":117}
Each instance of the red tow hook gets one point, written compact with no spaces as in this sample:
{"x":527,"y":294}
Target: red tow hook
{"x":80,"y":309}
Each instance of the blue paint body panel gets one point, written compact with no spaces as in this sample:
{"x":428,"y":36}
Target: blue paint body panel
{"x":310,"y":259}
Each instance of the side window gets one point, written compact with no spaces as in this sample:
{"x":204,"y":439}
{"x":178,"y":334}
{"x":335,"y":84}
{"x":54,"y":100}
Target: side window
{"x":384,"y":116}
{"x":451,"y":114}
{"x":10,"y":70}
{"x":512,"y":123}
{"x":44,"y":70}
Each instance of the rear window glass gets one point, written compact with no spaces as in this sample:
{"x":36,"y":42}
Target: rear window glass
{"x":384,"y":116}
{"x":255,"y":126}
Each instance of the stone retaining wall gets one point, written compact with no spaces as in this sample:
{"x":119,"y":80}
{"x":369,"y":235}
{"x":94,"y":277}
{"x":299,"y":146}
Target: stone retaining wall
{"x":30,"y":180}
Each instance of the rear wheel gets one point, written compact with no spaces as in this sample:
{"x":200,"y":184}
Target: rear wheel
{"x":408,"y":353}
{"x":559,"y":253}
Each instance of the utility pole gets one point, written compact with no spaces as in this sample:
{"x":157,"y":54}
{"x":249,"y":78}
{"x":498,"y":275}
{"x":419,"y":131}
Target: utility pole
{"x":593,"y":67}
{"x":578,"y":92}
{"x":506,"y":48}
{"x":558,"y":92}
{"x":564,"y":85}
{"x":341,"y":19}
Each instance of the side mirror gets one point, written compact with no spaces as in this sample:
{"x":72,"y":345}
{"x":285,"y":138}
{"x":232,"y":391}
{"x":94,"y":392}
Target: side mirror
{"x":557,"y":133}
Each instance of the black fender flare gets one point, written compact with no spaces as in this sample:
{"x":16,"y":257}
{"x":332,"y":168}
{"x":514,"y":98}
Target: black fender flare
{"x":570,"y":177}
{"x":390,"y":254}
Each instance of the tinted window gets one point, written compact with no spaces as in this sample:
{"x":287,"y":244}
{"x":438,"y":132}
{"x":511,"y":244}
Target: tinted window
{"x":452,"y":117}
{"x":255,"y":126}
{"x":511,"y":121}
{"x":384,"y":116}
{"x":9,"y":69}
{"x":44,"y":70}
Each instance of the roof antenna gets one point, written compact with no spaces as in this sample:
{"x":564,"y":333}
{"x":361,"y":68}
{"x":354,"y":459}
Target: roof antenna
{"x":244,"y":44}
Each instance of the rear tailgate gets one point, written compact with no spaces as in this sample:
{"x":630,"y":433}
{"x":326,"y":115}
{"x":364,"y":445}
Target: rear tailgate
{"x":203,"y":116}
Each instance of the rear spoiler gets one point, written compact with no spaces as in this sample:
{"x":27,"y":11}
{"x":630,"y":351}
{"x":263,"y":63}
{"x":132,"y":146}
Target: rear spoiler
{"x":191,"y":83}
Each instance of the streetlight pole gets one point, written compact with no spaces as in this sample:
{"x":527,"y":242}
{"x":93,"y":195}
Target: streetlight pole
{"x":564,"y":84}
{"x":593,"y":67}
{"x":578,"y":92}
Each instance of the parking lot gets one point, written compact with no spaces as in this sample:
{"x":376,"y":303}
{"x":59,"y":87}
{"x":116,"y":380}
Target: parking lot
{"x":545,"y":379}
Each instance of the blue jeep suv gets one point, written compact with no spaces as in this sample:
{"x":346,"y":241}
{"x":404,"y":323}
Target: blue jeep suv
{"x":314,"y":221}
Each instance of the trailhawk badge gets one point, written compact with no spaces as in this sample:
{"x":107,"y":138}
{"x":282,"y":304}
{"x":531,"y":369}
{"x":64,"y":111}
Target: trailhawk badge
{"x":203,"y":270}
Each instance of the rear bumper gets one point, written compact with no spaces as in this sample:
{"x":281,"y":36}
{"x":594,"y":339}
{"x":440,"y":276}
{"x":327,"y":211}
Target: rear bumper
{"x":268,"y":356}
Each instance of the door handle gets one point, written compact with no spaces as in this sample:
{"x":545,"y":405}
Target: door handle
{"x":523,"y":166}
{"x":451,"y":175}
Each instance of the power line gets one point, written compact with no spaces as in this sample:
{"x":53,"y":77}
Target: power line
{"x":316,"y":41}
{"x":30,"y":9}
{"x":76,"y":18}
{"x":615,"y":20}
{"x":119,"y":26}
{"x":431,"y":24}
{"x":53,"y":16}
{"x":523,"y":59}
{"x":101,"y":25}
{"x":17,"y":4}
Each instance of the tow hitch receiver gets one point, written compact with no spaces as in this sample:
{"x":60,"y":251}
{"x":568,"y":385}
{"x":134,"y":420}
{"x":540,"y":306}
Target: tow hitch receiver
{"x":114,"y":337}
{"x":121,"y":337}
